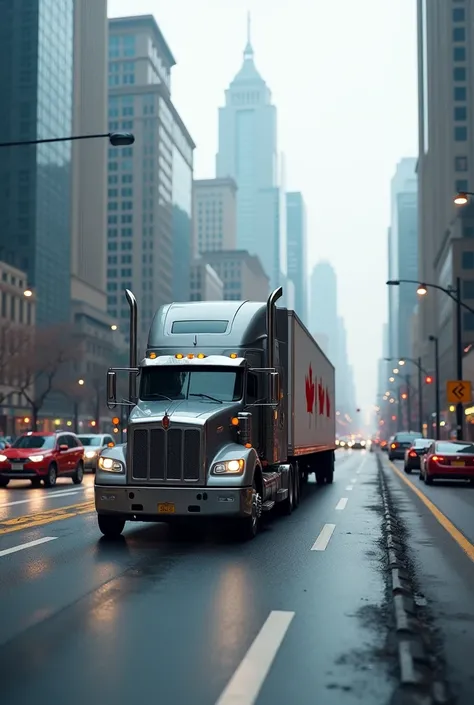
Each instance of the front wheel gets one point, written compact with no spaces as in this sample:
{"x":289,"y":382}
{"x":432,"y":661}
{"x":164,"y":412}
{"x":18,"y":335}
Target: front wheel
{"x":110,"y":526}
{"x":407,"y":470}
{"x":79,"y":473}
{"x":247,"y":528}
{"x":52,"y":476}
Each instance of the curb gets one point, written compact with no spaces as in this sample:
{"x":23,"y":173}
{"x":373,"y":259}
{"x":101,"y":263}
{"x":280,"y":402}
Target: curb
{"x":418,"y":684}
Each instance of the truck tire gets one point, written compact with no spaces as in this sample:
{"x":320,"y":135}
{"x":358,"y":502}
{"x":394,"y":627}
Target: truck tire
{"x":110,"y":526}
{"x":297,"y":487}
{"x":247,"y":528}
{"x":330,"y":469}
{"x":320,"y":477}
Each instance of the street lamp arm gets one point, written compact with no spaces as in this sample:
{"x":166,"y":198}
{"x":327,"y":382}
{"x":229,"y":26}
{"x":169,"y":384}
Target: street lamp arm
{"x":407,"y":359}
{"x":450,"y":292}
{"x":117,"y":139}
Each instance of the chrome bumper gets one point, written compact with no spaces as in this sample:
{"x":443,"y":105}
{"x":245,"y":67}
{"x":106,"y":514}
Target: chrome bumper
{"x":141,"y":503}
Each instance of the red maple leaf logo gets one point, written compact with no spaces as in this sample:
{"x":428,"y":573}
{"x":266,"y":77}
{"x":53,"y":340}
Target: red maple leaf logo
{"x":309,"y":385}
{"x":322,"y":396}
{"x":328,"y":404}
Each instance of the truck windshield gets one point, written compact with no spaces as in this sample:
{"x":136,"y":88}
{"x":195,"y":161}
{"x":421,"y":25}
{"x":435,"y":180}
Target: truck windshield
{"x":211,"y":383}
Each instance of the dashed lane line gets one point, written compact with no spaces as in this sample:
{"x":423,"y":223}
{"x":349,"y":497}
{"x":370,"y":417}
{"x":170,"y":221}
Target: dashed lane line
{"x":324,"y":537}
{"x":30,"y":544}
{"x":246,"y":683}
{"x":342,"y":503}
{"x":349,"y":488}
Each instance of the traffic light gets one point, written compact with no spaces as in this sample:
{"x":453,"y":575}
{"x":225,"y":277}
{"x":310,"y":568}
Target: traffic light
{"x":116,"y":423}
{"x":428,"y":379}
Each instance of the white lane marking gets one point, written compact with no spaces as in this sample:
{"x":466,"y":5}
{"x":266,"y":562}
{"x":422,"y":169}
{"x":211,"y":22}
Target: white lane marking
{"x":357,"y":472}
{"x":349,"y":488}
{"x":342,"y":503}
{"x":353,"y":480}
{"x":40,"y":497}
{"x":324,"y":537}
{"x":246,"y":683}
{"x":30,"y":544}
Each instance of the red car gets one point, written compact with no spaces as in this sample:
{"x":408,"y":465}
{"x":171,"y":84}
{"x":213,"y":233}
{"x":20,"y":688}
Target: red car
{"x":448,"y":460}
{"x":43,"y":456}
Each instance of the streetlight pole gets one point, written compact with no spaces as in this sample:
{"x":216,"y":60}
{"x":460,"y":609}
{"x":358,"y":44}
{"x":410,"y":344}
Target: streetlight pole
{"x":407,"y":379}
{"x":116,"y":139}
{"x":421,"y":371}
{"x":434,"y":340}
{"x":455,"y":295}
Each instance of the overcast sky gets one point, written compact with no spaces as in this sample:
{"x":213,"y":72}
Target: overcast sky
{"x":343,"y":77}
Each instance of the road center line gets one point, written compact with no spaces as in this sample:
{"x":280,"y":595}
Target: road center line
{"x":342,"y":503}
{"x":30,"y":544}
{"x":324,"y":537}
{"x":246,"y":683}
{"x":349,"y":487}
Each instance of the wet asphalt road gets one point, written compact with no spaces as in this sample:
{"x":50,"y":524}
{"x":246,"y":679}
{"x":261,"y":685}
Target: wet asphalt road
{"x":442,"y":568}
{"x":159,"y":619}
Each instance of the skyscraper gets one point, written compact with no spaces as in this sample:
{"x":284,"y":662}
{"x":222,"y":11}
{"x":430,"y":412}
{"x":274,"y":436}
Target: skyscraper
{"x":323,"y":306}
{"x":297,"y":251}
{"x":215,"y":215}
{"x":36,"y":85}
{"x":150,"y":184}
{"x":445,"y":166}
{"x":248,"y":154}
{"x":403,"y":255}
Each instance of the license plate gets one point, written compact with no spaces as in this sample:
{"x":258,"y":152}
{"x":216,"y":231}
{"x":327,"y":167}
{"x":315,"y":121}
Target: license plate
{"x":458,"y":463}
{"x":166,"y":508}
{"x":17,"y":466}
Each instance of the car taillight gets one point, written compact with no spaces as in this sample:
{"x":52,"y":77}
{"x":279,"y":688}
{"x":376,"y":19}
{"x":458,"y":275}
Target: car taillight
{"x":412,"y":454}
{"x":437,"y":458}
{"x":394,"y":445}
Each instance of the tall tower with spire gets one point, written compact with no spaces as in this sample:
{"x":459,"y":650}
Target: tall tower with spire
{"x":248,"y":153}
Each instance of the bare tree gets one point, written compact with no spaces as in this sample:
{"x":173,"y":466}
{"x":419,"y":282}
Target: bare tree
{"x":15,"y":339}
{"x":42,"y":367}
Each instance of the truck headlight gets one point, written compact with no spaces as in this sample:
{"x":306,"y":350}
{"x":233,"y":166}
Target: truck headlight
{"x":229,"y":467}
{"x":110,"y":465}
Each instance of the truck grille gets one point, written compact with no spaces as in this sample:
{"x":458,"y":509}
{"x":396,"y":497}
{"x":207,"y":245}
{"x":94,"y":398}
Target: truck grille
{"x":159,"y":456}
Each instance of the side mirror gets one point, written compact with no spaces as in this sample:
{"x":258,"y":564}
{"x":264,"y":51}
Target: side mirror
{"x":111,"y":389}
{"x":63,"y":447}
{"x":245,"y":428}
{"x":274,"y":391}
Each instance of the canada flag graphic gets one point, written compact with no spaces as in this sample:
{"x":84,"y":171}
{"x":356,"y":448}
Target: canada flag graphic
{"x":310,"y":391}
{"x":321,"y":397}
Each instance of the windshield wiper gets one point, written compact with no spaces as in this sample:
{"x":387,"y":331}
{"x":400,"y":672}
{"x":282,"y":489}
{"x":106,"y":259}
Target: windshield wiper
{"x":150,"y":397}
{"x":206,"y":396}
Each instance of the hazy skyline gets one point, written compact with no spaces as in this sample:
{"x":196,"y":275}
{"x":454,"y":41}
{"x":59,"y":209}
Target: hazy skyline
{"x":344,"y":81}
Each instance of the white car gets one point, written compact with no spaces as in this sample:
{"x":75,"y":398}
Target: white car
{"x":94,"y":444}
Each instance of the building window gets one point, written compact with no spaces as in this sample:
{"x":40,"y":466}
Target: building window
{"x":459,"y":73}
{"x":468,"y":260}
{"x":459,"y":34}
{"x":461,"y":186}
{"x":459,"y":14}
{"x":468,"y":289}
{"x":468,"y":321}
{"x":468,"y":231}
{"x":460,"y":113}
{"x":460,"y":93}
{"x":459,"y":54}
{"x":460,"y":163}
{"x":460,"y":134}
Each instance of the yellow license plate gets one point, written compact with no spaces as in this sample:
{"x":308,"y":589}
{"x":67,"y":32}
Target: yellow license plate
{"x":458,"y":463}
{"x":166,"y":508}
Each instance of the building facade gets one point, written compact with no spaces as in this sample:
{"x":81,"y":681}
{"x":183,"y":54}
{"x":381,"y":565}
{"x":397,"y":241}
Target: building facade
{"x":248,"y":153}
{"x":403,"y":255}
{"x":206,"y":285}
{"x":149,"y":216}
{"x":215,"y":215}
{"x":297,"y":251}
{"x":242,"y":274}
{"x":445,"y":167}
{"x":323,"y":306}
{"x":36,"y":84}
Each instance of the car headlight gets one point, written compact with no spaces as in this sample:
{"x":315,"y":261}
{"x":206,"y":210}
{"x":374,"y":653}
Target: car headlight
{"x":362,"y":443}
{"x":341,"y":443}
{"x":229,"y":467}
{"x":110,"y":465}
{"x":90,"y":454}
{"x":36,"y":458}
{"x":3,"y":458}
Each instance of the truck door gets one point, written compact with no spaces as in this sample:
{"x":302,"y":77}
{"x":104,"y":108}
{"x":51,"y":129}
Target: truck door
{"x":253,"y":394}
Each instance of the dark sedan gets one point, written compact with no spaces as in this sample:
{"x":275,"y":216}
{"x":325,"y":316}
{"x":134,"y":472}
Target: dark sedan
{"x":413,"y":454}
{"x":400,"y":442}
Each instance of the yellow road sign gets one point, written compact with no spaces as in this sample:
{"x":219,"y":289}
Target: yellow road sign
{"x":459,"y":391}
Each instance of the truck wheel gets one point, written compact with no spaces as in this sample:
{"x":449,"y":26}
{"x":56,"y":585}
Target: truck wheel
{"x":297,"y":486}
{"x":110,"y":526}
{"x":320,"y":477}
{"x":330,"y":476}
{"x":247,"y":528}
